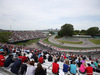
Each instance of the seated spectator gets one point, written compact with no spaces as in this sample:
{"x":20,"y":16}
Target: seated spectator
{"x":98,"y":68}
{"x":8,"y":61}
{"x":89,"y":70}
{"x":83,"y":60}
{"x":24,"y":58}
{"x":2,"y":51}
{"x":15,"y":67}
{"x":40,"y":70}
{"x":2,"y":60}
{"x":36,"y":58}
{"x":82,"y":68}
{"x":50,"y":58}
{"x":44,"y":56}
{"x":30,"y":69}
{"x":66,"y":67}
{"x":79,"y":62}
{"x":93,"y":66}
{"x":23,"y":68}
{"x":73,"y":68}
{"x":55,"y":67}
{"x":96,"y":63}
{"x":41,"y":60}
{"x":62,"y":59}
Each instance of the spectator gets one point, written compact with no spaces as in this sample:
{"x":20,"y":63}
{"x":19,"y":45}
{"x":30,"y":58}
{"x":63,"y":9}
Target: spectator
{"x":8,"y":61}
{"x":23,"y":68}
{"x":96,"y":63}
{"x":66,"y":67}
{"x":55,"y":67}
{"x":98,"y":68}
{"x":89,"y":70}
{"x":40,"y":70}
{"x":93,"y":66}
{"x":62,"y":59}
{"x":73,"y":68}
{"x":82,"y":68}
{"x":24,"y":58}
{"x":36,"y":58}
{"x":44,"y":56}
{"x":50,"y":58}
{"x":79,"y":62}
{"x":41,"y":60}
{"x":2,"y":60}
{"x":30,"y":69}
{"x":15,"y":67}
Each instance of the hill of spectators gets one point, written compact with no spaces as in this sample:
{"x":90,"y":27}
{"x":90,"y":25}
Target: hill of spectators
{"x":25,"y":35}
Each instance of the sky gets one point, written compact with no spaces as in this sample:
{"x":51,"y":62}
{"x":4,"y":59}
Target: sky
{"x":47,"y":14}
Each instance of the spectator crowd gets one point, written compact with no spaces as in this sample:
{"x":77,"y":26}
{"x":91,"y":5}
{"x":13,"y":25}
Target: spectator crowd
{"x":25,"y":35}
{"x":21,"y":61}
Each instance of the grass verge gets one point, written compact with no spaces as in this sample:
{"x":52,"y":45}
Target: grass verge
{"x":28,"y":42}
{"x":95,"y":41}
{"x":70,"y":42}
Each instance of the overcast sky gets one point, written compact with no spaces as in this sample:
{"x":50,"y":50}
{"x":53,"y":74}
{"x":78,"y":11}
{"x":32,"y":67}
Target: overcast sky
{"x":45,"y":14}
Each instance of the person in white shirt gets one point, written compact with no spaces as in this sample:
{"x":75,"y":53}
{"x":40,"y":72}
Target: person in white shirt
{"x":30,"y":69}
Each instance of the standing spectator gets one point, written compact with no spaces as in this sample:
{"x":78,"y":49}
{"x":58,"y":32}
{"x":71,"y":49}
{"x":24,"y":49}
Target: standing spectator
{"x":8,"y":61}
{"x":30,"y":69}
{"x":40,"y":70}
{"x":73,"y":68}
{"x":66,"y":67}
{"x":41,"y":60}
{"x":89,"y":70}
{"x":55,"y":67}
{"x":15,"y":67}
{"x":2,"y":60}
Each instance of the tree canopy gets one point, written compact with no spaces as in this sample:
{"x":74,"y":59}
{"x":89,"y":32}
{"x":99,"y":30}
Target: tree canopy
{"x":92,"y":31}
{"x":4,"y":36}
{"x":66,"y":30}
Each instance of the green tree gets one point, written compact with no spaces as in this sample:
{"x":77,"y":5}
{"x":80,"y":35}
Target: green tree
{"x":92,"y":31}
{"x":51,"y":32}
{"x":66,"y":30}
{"x":82,"y":32}
{"x":4,"y":36}
{"x":76,"y":32}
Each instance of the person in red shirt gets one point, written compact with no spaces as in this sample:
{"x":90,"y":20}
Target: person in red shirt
{"x":55,"y":67}
{"x":2,"y":60}
{"x":41,"y":59}
{"x":89,"y":70}
{"x":24,"y":58}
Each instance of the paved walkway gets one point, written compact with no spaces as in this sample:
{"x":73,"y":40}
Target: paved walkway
{"x":86,"y":43}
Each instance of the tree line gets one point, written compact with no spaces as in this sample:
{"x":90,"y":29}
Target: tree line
{"x":68,"y":30}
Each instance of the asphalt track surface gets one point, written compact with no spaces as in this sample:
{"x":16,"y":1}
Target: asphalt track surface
{"x":86,"y":43}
